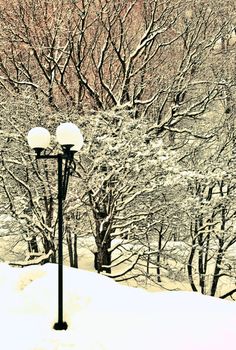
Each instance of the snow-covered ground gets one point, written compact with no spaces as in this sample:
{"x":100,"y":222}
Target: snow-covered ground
{"x":102,"y":314}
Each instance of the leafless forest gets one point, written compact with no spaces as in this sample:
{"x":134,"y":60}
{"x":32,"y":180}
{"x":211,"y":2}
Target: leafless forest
{"x":152,"y":86}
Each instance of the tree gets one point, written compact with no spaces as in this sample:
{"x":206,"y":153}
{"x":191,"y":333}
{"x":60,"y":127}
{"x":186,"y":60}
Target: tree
{"x":51,"y":49}
{"x":27,"y":186}
{"x":211,"y":214}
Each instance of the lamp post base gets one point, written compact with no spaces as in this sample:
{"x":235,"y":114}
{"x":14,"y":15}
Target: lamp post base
{"x":60,"y":326}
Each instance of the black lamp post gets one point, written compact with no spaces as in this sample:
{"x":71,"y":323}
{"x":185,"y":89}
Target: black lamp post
{"x":71,"y":140}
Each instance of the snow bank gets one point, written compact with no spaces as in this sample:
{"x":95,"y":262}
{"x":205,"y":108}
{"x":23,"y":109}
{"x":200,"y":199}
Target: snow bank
{"x":102,"y":314}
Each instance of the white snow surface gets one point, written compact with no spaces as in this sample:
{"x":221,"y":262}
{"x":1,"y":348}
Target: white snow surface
{"x":102,"y":314}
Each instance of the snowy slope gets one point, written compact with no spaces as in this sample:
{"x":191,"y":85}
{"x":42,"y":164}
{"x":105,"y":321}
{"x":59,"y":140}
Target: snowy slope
{"x":104,"y":315}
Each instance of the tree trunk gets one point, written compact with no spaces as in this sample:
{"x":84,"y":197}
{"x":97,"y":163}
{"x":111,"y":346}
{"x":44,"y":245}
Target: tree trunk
{"x":216,"y":274}
{"x":102,"y":258}
{"x":159,"y":258}
{"x":201,"y":260}
{"x":103,"y":223}
{"x":220,"y":254}
{"x":49,"y":245}
{"x":33,"y":245}
{"x":75,"y":263}
{"x":190,"y":260}
{"x":72,"y":249}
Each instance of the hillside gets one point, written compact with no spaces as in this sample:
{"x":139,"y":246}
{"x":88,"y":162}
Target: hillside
{"x":102,"y":314}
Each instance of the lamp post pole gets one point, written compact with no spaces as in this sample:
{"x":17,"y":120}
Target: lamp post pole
{"x":71,"y":140}
{"x":60,"y":325}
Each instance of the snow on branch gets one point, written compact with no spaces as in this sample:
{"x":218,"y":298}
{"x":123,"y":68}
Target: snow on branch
{"x":37,"y":261}
{"x":130,"y":268}
{"x":131,"y":198}
{"x":119,"y":262}
{"x":187,"y":131}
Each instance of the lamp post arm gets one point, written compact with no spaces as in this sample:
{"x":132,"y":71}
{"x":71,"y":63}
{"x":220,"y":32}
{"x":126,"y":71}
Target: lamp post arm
{"x":69,"y":166}
{"x":46,"y":156}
